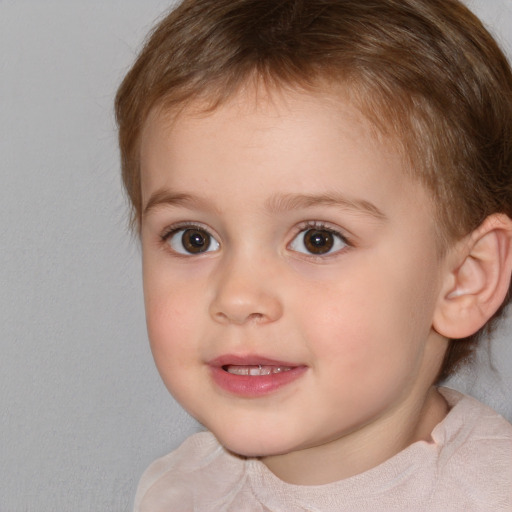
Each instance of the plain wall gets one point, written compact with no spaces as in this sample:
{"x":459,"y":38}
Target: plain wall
{"x":83,"y":409}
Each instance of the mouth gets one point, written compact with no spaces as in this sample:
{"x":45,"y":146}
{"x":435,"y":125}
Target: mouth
{"x":253,"y":376}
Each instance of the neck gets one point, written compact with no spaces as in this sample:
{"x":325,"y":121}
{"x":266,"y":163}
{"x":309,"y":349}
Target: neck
{"x":363,"y":449}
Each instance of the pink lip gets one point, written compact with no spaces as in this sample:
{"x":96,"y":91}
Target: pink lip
{"x":253,"y":385}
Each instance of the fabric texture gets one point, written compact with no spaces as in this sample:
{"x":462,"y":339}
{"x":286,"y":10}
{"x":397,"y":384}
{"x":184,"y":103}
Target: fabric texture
{"x":467,"y":467}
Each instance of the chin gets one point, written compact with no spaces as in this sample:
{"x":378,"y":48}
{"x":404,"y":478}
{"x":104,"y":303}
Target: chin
{"x":253,"y":445}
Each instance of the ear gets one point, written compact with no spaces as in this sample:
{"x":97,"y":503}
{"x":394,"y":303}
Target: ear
{"x":477,"y":280}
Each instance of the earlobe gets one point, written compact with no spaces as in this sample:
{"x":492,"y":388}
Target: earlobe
{"x":478,"y":280}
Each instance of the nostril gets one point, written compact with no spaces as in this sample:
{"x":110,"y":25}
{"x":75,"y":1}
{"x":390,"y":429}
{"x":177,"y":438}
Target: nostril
{"x":244,"y":304}
{"x":252,"y":317}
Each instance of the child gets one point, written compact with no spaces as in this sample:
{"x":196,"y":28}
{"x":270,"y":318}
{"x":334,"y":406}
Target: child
{"x":323,"y":190}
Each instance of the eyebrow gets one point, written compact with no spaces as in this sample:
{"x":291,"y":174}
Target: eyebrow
{"x":168,"y":198}
{"x":287,"y":202}
{"x":276,"y":204}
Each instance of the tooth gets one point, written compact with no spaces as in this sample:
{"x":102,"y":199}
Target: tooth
{"x":258,"y":370}
{"x":237,"y":370}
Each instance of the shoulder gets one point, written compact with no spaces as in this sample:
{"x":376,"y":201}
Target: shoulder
{"x":470,"y":421}
{"x":170,"y":479}
{"x":475,"y":457}
{"x":185,"y":458}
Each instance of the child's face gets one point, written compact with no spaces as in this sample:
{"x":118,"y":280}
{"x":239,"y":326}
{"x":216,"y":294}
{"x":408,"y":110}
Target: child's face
{"x":283,"y":234}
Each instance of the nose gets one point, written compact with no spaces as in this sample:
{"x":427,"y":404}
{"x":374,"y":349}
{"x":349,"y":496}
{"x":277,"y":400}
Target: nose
{"x":245,"y":293}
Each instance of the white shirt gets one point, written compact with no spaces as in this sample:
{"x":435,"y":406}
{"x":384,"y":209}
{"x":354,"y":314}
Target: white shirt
{"x":467,"y":467}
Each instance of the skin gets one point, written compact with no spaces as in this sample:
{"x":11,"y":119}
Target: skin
{"x":358,"y":319}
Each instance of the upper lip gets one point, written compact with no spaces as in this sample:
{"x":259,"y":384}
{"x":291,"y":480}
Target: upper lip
{"x":249,"y":360}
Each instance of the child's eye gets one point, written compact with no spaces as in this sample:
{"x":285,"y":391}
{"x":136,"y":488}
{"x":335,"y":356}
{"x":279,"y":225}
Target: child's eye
{"x":318,"y":241}
{"x":191,"y":240}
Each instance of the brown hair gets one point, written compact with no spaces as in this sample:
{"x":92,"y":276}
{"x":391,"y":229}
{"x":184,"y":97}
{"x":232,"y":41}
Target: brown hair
{"x":426,"y":72}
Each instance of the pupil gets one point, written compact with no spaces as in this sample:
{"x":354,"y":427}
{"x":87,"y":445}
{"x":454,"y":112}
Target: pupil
{"x":318,"y":241}
{"x":195,"y":241}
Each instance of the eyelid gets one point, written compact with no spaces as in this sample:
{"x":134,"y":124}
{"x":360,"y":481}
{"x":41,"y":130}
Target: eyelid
{"x":321,"y":226}
{"x":324,"y":225}
{"x":176,"y":226}
{"x":173,"y":229}
{"x":340,"y":233}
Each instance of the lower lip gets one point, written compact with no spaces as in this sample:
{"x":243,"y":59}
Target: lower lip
{"x":255,"y":385}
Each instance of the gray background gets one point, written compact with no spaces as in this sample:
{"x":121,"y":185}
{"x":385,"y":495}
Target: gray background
{"x":83,"y":409}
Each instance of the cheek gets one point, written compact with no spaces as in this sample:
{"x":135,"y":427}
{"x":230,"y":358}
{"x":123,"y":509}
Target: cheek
{"x":370,"y":325}
{"x":170,"y":322}
{"x":337,"y":325}
{"x":170,"y":311}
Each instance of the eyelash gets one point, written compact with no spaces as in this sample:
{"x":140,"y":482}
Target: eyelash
{"x":321,"y":226}
{"x":167,"y":235}
{"x":172,"y":230}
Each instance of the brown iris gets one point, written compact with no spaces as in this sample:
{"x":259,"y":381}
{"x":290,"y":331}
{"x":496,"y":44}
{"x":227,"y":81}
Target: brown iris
{"x":195,"y":241}
{"x":318,"y":241}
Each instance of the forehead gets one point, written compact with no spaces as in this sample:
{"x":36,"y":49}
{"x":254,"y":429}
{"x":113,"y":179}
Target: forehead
{"x":288,"y":141}
{"x":274,"y":118}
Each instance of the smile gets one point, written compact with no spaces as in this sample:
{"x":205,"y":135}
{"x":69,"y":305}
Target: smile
{"x":253,"y":376}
